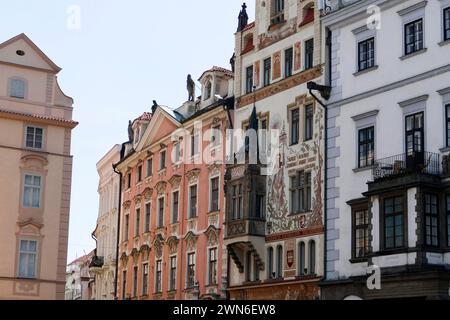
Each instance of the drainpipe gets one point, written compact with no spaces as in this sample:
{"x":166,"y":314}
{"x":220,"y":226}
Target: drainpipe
{"x":119,"y":210}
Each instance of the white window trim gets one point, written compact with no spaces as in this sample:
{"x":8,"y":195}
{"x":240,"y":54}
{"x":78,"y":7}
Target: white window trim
{"x":145,"y":216}
{"x":146,"y":167}
{"x":362,"y":34}
{"x":445,"y":94}
{"x":158,"y":224}
{"x":10,"y":88}
{"x":172,"y":198}
{"x":37,"y":261}
{"x":444,"y":5}
{"x":364,"y":121}
{"x":189,"y":201}
{"x":43,"y":137}
{"x":410,"y":107}
{"x":41,"y":188}
{"x":208,"y":265}
{"x":170,"y":272}
{"x":160,"y":168}
{"x":155,"y":275}
{"x":187,"y":267}
{"x":408,"y":15}
{"x":210,"y":193}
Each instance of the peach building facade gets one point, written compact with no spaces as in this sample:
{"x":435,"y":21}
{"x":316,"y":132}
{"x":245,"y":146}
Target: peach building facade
{"x":35,"y":180}
{"x":172,"y":201}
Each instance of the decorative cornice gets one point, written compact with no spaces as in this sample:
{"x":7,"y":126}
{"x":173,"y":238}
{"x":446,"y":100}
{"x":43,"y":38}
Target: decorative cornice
{"x":366,"y":115}
{"x":214,"y":168}
{"x":409,"y":102}
{"x":147,"y":194}
{"x":161,"y":187}
{"x":175,"y":181}
{"x":280,"y":86}
{"x":444,"y":91}
{"x":413,"y":8}
{"x":126,"y":205}
{"x":193,"y":175}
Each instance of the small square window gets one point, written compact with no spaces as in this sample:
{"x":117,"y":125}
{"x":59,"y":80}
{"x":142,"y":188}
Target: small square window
{"x":17,"y":89}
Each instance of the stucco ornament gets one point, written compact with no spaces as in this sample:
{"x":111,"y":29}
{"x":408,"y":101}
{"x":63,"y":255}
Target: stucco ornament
{"x":161,"y":187}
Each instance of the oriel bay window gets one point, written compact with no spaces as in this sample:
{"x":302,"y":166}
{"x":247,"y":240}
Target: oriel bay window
{"x":431,"y":212}
{"x":414,"y":36}
{"x":366,"y":147}
{"x":190,"y":277}
{"x":360,"y":232}
{"x":300,"y":192}
{"x":237,"y":202}
{"x":394,"y":222}
{"x":366,"y":54}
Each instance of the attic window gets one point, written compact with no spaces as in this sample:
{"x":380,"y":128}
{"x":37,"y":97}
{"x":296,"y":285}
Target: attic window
{"x":20,"y":53}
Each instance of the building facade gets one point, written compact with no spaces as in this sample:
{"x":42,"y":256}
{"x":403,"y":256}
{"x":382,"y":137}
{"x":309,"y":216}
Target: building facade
{"x":388,"y":165}
{"x":274,"y":219}
{"x":172,"y":199}
{"x":104,"y":263}
{"x":79,"y":280}
{"x":35,"y":180}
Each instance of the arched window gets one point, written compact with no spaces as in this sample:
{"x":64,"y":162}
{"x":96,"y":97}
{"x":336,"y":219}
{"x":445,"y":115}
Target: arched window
{"x":301,"y":259}
{"x":208,"y":89}
{"x":312,"y":257}
{"x":279,"y":262}
{"x":270,"y":263}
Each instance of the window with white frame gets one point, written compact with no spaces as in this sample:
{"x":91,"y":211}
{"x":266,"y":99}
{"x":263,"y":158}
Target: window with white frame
{"x":162,"y":160}
{"x":137,"y":222}
{"x":28,"y":257}
{"x":158,"y":276}
{"x":32,"y":191}
{"x":214,"y":196}
{"x":176,"y":153}
{"x":161,"y":212}
{"x":212,"y":266}
{"x":34,"y":137}
{"x":413,"y":21}
{"x":414,"y":36}
{"x":147,"y":217}
{"x":190,"y":277}
{"x":175,"y":206}
{"x":366,"y":54}
{"x":173,"y":273}
{"x":447,"y":24}
{"x":145,"y":279}
{"x":17,"y":88}
{"x":193,"y":201}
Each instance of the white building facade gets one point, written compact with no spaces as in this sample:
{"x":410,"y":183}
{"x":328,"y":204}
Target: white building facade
{"x":388,"y":128}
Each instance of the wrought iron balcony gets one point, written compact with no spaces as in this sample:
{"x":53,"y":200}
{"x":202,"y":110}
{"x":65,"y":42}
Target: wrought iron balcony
{"x":403,"y":164}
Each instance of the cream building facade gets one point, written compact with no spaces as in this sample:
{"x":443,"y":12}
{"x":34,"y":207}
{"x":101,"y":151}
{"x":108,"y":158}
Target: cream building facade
{"x":35,"y":180}
{"x":104,"y":266}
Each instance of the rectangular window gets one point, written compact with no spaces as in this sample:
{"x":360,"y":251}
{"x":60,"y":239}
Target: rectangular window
{"x":447,"y":110}
{"x":129,"y":180}
{"x":295,"y":126}
{"x":216,"y":136}
{"x":145,"y":280}
{"x":32,"y":191}
{"x":124,"y":285}
{"x":147,"y":217}
{"x":415,"y":140}
{"x":214,"y":205}
{"x":127,"y":227}
{"x":394,"y":234}
{"x":360,"y":233}
{"x":301,"y":192}
{"x":277,"y":11}
{"x":414,"y":36}
{"x":190,"y":270}
{"x":27,"y":259}
{"x":160,"y":212}
{"x":34,"y":138}
{"x":267,"y":71}
{"x":366,"y":147}
{"x":149,"y":167}
{"x":431,"y":220}
{"x":448,"y":220}
{"x":175,"y":201}
{"x":162,"y":160}
{"x":176,"y":152}
{"x":158,"y":276}
{"x":249,"y":80}
{"x":138,"y":222}
{"x":309,"y":122}
{"x":193,"y":201}
{"x":139,"y":174}
{"x":195,"y":138}
{"x":288,"y":62}
{"x":212,"y":268}
{"x":309,"y":54}
{"x":135,"y":281}
{"x":173,"y":273}
{"x":294,"y":195}
{"x":17,"y":89}
{"x":366,"y":54}
{"x":447,"y":24}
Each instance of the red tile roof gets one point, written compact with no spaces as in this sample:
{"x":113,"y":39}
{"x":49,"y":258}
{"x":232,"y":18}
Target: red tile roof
{"x":249,"y":26}
{"x":219,"y":69}
{"x":146,"y":116}
{"x":63,"y":121}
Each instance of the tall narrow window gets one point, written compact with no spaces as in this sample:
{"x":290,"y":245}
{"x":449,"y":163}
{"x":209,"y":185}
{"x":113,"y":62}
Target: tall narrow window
{"x":158,"y":276}
{"x":288,"y":62}
{"x":301,"y":259}
{"x":34,"y":138}
{"x":149,"y":167}
{"x":277,"y":11}
{"x":27,"y":259}
{"x":127,"y":227}
{"x":195,"y":138}
{"x":366,"y":54}
{"x":160,"y":212}
{"x":208,"y":90}
{"x":175,"y":200}
{"x":176,"y":152}
{"x":295,"y":126}
{"x":415,"y":140}
{"x":308,"y":192}
{"x":303,"y":192}
{"x":214,"y":205}
{"x":267,"y":71}
{"x":145,"y":279}
{"x":270,"y":273}
{"x":162,"y":160}
{"x":193,"y":201}
{"x":212,"y":266}
{"x":431,"y":220}
{"x":414,"y":36}
{"x":447,"y":24}
{"x":173,"y":273}
{"x":234,"y":204}
{"x":279,"y":262}
{"x":309,"y":54}
{"x":447,"y":110}
{"x":249,"y":80}
{"x":32,"y":191}
{"x":312,"y":257}
{"x":139,"y":174}
{"x":394,"y":235}
{"x":129,"y":180}
{"x":294,"y":195}
{"x":366,"y":147}
{"x":309,"y":122}
{"x":240,"y":203}
{"x":147,"y":217}
{"x":135,"y":281}
{"x":448,"y":220}
{"x":260,"y":205}
{"x":124,"y":285}
{"x":190,"y":270}
{"x":17,"y":89}
{"x":137,"y":222}
{"x":216,"y":136}
{"x":248,"y":266}
{"x":360,"y":233}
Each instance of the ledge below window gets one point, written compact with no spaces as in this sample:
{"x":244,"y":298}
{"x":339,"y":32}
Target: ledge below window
{"x":356,"y":170}
{"x":443,"y":43}
{"x":413,"y":54}
{"x":359,"y":260}
{"x":365,"y":71}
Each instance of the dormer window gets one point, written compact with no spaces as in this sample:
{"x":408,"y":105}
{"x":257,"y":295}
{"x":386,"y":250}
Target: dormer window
{"x":17,"y":89}
{"x":136,"y":136}
{"x":208,"y":90}
{"x":277,"y":11}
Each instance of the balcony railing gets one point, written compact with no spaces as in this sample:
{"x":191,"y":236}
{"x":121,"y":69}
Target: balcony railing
{"x":402,"y":164}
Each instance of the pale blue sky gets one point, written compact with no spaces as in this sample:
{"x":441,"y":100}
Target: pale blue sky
{"x":126,"y":54}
